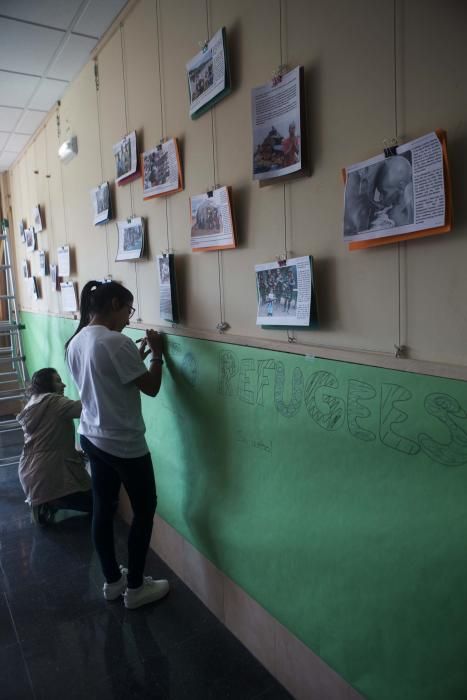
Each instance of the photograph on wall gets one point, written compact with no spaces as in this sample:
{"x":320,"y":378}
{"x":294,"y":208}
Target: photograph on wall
{"x":25,"y":268}
{"x":63,"y":259}
{"x":396,"y":195}
{"x":130,"y":239}
{"x":33,"y":288}
{"x":208,"y":75}
{"x":126,"y":158}
{"x":285,"y":293}
{"x":68,"y":295}
{"x":168,"y":301}
{"x":54,"y":277}
{"x":21,"y":231}
{"x":42,"y":263}
{"x":212,"y":224}
{"x":162,"y":172}
{"x":30,"y":238}
{"x":100,"y":198}
{"x":37,"y":219}
{"x":279,"y":128}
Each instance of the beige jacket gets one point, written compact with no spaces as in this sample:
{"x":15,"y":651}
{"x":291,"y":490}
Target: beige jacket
{"x":50,"y":466}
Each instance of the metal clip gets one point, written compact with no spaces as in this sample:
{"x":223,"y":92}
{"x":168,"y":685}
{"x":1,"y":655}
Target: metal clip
{"x":222,"y":326}
{"x":203,"y":45}
{"x":291,"y":338}
{"x":390,"y":147}
{"x":278,"y":74}
{"x":281,"y":260}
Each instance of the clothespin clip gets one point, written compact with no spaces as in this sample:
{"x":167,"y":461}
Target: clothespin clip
{"x":222,"y":326}
{"x":390,"y":147}
{"x":279,"y":73}
{"x":281,"y":260}
{"x":203,"y":45}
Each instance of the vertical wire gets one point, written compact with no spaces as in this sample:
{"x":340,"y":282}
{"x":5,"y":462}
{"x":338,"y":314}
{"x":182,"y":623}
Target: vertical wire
{"x":99,"y":138}
{"x":214,"y":172}
{"x":394,"y":52}
{"x":163,"y":134}
{"x":125,"y":99}
{"x":49,"y":208}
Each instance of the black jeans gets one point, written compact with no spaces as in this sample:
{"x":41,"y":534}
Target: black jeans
{"x":137,"y":475}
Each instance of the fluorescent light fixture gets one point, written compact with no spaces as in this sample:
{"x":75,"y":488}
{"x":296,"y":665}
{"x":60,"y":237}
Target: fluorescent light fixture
{"x":68,"y":149}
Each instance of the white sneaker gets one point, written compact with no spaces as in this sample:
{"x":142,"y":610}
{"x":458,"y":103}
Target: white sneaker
{"x":149,"y":592}
{"x":114,"y":590}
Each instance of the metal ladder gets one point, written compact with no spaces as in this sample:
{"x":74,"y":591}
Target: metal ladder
{"x":12,"y":358}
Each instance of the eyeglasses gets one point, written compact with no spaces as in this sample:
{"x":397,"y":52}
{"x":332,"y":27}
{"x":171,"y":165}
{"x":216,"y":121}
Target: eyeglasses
{"x":131,"y":310}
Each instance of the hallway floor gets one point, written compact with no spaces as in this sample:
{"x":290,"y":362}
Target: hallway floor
{"x":59,"y":639}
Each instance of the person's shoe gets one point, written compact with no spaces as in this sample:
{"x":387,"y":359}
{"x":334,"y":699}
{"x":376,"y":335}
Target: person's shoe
{"x":149,"y":592}
{"x":114,"y":590}
{"x":43,"y":514}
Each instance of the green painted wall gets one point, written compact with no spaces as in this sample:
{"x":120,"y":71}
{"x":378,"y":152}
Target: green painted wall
{"x":335,"y":494}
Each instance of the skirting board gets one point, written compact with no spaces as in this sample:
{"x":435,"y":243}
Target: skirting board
{"x":294,"y":665}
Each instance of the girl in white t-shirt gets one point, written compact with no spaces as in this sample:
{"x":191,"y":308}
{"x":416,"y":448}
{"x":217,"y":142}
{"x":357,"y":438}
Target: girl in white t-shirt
{"x":109,"y":372}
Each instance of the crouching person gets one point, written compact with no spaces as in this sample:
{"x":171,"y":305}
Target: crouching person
{"x":52,"y":472}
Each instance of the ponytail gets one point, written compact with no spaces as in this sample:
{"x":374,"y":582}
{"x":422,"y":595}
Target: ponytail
{"x":96,"y":298}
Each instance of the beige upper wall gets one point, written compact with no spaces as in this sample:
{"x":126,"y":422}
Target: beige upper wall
{"x":347,"y":51}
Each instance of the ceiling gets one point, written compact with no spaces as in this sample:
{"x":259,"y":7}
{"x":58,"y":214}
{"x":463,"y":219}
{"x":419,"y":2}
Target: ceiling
{"x":43,"y":46}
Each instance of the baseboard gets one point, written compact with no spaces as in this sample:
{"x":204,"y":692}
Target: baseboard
{"x":294,"y":665}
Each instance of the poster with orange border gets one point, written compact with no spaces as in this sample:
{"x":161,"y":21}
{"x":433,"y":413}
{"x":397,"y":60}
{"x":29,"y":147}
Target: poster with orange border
{"x":444,"y":228}
{"x":161,"y":170}
{"x":211,"y":220}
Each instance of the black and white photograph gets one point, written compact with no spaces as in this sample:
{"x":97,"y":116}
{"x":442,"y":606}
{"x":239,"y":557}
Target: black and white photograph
{"x":168,"y":301}
{"x":396,"y":195}
{"x":100,"y":198}
{"x":125,"y":155}
{"x":37,"y":219}
{"x":42,"y":263}
{"x":30,"y":238}
{"x":208,"y":75}
{"x":21,"y":231}
{"x":284,"y":293}
{"x":162,"y":172}
{"x":380,"y":196}
{"x":54,"y":278}
{"x":201,"y":76}
{"x":130,"y":239}
{"x":25,"y":268}
{"x":212,"y":225}
{"x":164,"y":269}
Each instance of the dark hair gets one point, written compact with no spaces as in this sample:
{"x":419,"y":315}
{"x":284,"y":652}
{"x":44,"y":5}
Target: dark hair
{"x":42,"y":381}
{"x":96,"y":298}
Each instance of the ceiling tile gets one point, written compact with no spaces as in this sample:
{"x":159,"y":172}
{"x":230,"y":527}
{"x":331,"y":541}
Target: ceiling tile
{"x":98,"y":16}
{"x":16,"y":90}
{"x":27,"y":48}
{"x":30,"y":121}
{"x":53,"y":13}
{"x":49,"y":92}
{"x":3,"y":138}
{"x":6,"y":159}
{"x":72,"y":57}
{"x":8,"y":118}
{"x":17,"y":142}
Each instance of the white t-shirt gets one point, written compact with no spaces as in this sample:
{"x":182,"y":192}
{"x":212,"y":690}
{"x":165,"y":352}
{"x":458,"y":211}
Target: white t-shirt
{"x":104,"y":364}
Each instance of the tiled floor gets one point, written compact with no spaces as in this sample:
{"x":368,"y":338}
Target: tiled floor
{"x":59,"y":639}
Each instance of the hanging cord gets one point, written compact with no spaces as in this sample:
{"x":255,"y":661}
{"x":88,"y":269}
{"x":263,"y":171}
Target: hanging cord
{"x":125,"y":99}
{"x":161,"y":101}
{"x":50,"y":228}
{"x":101,"y":167}
{"x":398,"y":347}
{"x":290,"y":332}
{"x":222,"y":325}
